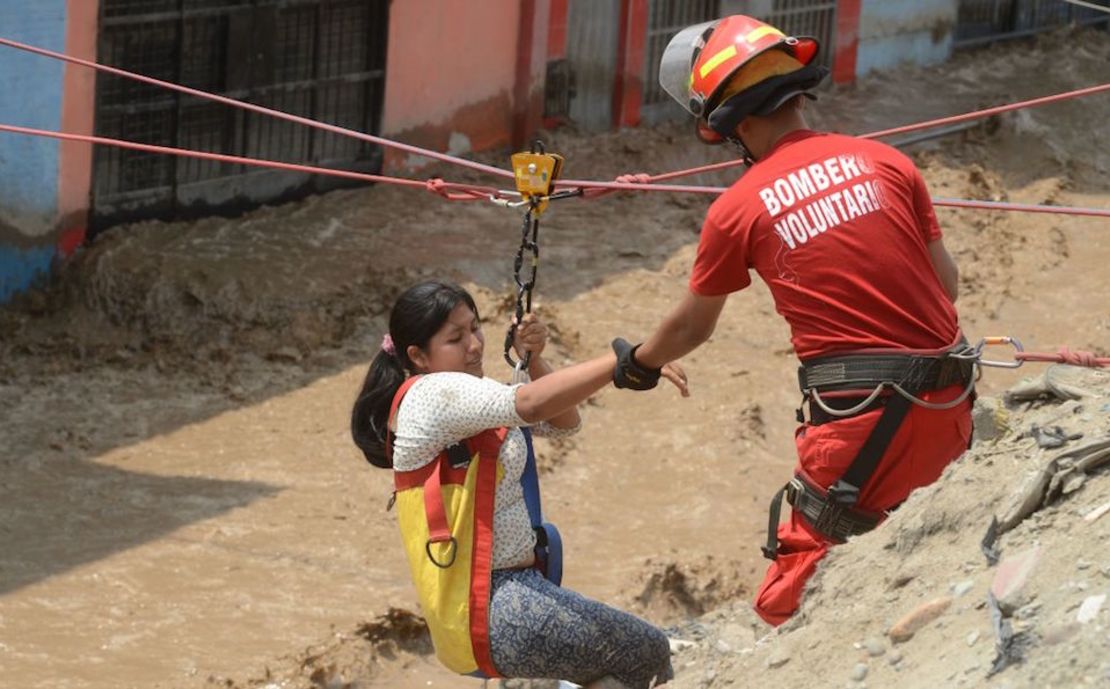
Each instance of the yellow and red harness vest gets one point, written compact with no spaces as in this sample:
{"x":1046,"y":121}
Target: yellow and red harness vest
{"x":445,"y":512}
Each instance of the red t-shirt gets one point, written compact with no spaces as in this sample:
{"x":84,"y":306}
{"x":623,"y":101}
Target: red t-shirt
{"x":837,"y":227}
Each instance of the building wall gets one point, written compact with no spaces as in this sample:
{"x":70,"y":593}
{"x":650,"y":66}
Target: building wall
{"x":892,"y":32}
{"x":35,"y":226}
{"x":451,"y":73}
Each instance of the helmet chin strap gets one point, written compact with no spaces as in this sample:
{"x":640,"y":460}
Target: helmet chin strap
{"x":745,"y":155}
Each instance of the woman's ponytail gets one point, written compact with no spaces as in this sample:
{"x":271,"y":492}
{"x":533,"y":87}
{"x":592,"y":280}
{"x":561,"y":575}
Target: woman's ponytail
{"x":370,"y":415}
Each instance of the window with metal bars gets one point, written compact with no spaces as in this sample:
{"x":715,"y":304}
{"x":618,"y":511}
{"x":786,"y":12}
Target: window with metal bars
{"x":323,"y":59}
{"x":983,"y":21}
{"x":665,"y":19}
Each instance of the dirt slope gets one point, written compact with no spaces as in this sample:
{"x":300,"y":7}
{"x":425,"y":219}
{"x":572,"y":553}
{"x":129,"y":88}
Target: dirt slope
{"x":927,"y":561}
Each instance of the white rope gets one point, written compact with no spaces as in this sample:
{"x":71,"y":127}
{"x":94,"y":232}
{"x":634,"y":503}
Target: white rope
{"x":939,"y":405}
{"x":846,"y":412}
{"x":1091,"y":5}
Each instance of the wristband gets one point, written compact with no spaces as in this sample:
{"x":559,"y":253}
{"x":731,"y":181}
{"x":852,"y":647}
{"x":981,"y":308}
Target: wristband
{"x":629,"y":374}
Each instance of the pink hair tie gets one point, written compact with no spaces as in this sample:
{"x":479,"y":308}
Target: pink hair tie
{"x":387,"y":345}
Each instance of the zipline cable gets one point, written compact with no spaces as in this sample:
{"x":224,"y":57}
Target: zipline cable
{"x":468,"y":192}
{"x":308,"y":122}
{"x":475,"y":192}
{"x":1044,"y":100}
{"x":928,"y":124}
{"x":505,"y":173}
{"x":254,"y":162}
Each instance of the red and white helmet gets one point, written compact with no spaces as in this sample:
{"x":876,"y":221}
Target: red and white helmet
{"x":699,"y":65}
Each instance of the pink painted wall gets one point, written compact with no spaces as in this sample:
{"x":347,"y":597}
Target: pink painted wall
{"x":450,"y":75}
{"x":78,"y":102}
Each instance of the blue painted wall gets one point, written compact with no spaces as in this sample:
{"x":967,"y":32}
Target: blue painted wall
{"x":31,"y":88}
{"x":892,"y":32}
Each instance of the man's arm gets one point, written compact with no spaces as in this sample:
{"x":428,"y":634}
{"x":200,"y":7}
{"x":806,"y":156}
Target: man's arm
{"x":946,"y":268}
{"x":687,"y":326}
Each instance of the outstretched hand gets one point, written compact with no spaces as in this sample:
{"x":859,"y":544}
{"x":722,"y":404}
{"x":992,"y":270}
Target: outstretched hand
{"x":674,"y":373}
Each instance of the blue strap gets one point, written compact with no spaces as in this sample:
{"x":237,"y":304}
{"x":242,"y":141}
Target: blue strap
{"x":551,"y":555}
{"x":530,"y":481}
{"x":553,"y":569}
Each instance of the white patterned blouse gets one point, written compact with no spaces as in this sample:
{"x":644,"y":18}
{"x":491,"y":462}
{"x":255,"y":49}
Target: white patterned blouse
{"x":441,"y":409}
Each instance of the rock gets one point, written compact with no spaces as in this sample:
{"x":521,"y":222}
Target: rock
{"x":991,"y":419}
{"x":895,"y":657}
{"x":779,"y":657}
{"x":1009,"y":585}
{"x":678,"y":645}
{"x":905,"y":628}
{"x":737,"y":635}
{"x":289,"y":355}
{"x":1050,"y":437}
{"x":859,"y":672}
{"x":1089,"y":608}
{"x":1097,"y":512}
{"x":1059,"y":633}
{"x":875,"y":647}
{"x":1073,"y":482}
{"x":722,"y":646}
{"x":962,"y":587}
{"x":1027,"y":611}
{"x":972,"y":637}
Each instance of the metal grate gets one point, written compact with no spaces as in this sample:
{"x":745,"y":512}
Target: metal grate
{"x":323,"y":59}
{"x":984,"y":21}
{"x":665,"y":19}
{"x":558,"y":89}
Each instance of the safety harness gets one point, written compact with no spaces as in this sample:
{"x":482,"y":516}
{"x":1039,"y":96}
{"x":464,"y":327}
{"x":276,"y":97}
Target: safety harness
{"x":831,"y":511}
{"x":445,"y":513}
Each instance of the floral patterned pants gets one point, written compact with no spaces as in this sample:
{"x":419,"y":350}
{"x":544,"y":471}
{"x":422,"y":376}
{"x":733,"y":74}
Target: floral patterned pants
{"x":539,"y":630}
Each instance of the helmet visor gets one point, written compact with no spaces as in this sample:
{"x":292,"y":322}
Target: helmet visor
{"x":678,"y":60}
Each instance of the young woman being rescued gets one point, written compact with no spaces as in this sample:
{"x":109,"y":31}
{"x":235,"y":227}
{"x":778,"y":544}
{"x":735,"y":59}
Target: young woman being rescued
{"x":453,"y":438}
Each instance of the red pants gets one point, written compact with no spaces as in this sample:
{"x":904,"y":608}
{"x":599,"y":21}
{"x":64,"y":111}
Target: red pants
{"x":927,"y":441}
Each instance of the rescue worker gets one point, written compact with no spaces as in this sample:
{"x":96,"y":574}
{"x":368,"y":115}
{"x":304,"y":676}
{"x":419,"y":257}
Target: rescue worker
{"x":532,"y":627}
{"x":843,"y":233}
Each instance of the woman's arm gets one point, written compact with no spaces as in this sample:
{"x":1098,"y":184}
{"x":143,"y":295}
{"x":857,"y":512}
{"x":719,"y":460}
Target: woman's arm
{"x":557,"y":393}
{"x":531,"y":337}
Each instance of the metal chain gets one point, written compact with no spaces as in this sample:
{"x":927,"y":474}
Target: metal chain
{"x":529,"y":242}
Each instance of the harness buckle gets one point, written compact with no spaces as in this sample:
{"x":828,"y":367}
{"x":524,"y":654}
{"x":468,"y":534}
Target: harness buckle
{"x":831,"y":513}
{"x":843,"y":493}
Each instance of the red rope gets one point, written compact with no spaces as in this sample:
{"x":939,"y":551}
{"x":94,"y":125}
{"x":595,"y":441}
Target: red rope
{"x":505,"y":173}
{"x":1022,"y":207}
{"x":258,"y":108}
{"x":471,"y":192}
{"x":929,"y":124}
{"x":593,"y":189}
{"x":635,"y":182}
{"x":1065,"y":356}
{"x":1045,"y":100}
{"x":466,"y":192}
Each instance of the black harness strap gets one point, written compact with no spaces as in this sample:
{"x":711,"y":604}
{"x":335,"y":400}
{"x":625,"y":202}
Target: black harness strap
{"x":833,"y":515}
{"x":835,"y":518}
{"x":846,"y":490}
{"x":771,"y":550}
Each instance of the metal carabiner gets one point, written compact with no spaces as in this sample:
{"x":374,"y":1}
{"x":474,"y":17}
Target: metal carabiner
{"x":1001,"y":340}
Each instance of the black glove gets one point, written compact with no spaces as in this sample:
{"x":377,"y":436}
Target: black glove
{"x":629,"y":374}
